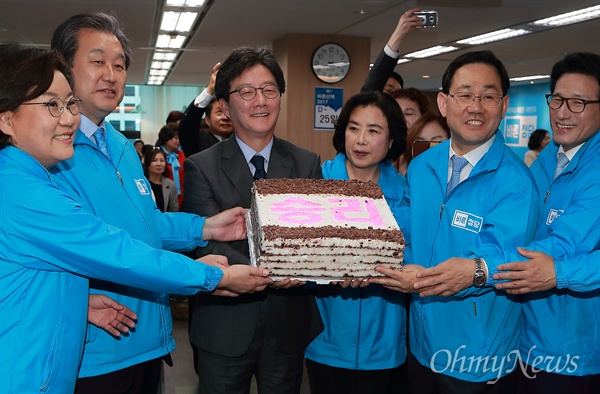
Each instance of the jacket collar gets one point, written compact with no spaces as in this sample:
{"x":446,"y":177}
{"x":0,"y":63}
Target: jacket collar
{"x":26,"y":161}
{"x":236,"y":169}
{"x":388,"y":174}
{"x":488,"y":163}
{"x":547,"y":158}
{"x":115,"y":140}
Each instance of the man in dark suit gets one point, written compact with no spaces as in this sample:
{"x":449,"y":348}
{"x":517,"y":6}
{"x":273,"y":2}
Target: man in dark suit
{"x":264,"y":334}
{"x":382,"y":77}
{"x":191,"y":137}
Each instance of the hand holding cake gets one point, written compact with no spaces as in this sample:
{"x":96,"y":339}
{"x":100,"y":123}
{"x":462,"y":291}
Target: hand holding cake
{"x":226,"y":226}
{"x":240,"y":279}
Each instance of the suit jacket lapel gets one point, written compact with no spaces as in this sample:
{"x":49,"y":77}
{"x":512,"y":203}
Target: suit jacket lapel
{"x":236,"y":169}
{"x":166,"y":195}
{"x":281,"y":163}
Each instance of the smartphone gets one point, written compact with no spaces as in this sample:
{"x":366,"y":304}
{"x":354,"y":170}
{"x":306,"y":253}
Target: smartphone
{"x":419,"y":147}
{"x":430,"y":18}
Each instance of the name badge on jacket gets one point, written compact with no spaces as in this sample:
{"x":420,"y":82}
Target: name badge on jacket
{"x":142,"y":186}
{"x":467,"y":221}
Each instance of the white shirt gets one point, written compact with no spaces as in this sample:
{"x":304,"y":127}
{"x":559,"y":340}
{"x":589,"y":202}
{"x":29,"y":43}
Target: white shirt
{"x":249,"y":154}
{"x":472,"y":157}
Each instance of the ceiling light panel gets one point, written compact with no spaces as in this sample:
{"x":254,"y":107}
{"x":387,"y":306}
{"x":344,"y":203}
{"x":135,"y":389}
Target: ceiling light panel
{"x":433,"y":51}
{"x":170,"y":41}
{"x":164,"y":56}
{"x":185,"y":3}
{"x":162,"y":65}
{"x":493,"y":36}
{"x":158,"y":73}
{"x":570,"y":17}
{"x":178,"y":21}
{"x":529,"y":78}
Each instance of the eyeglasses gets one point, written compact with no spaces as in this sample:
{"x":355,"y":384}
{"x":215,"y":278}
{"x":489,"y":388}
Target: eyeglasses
{"x":487,"y":100}
{"x":249,"y":92}
{"x":57,"y":109}
{"x":575,"y":105}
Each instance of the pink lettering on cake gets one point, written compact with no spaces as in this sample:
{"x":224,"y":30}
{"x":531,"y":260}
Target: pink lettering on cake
{"x":353,"y":205}
{"x":297,"y":210}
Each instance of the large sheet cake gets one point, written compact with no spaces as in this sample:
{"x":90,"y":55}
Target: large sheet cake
{"x":322,"y":230}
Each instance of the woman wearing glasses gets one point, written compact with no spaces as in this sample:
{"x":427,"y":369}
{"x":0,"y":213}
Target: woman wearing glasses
{"x":33,"y":291}
{"x":50,"y":244}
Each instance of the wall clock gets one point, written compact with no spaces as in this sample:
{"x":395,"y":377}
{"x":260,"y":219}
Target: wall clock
{"x":330,"y":63}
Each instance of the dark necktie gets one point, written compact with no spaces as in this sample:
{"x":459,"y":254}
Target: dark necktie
{"x":259,"y":163}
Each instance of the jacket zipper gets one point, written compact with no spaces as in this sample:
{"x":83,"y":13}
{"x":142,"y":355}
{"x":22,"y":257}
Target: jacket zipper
{"x":547,"y":195}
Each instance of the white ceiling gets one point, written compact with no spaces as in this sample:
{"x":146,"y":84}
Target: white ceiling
{"x":231,"y":23}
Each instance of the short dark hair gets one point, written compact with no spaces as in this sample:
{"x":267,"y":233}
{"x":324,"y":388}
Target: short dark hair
{"x":536,"y":138}
{"x":398,"y":78}
{"x":174,"y":116}
{"x":166,"y":133}
{"x":585,"y":63}
{"x":149,"y":156}
{"x":65,"y":38}
{"x":392,"y":112}
{"x":26,"y":73}
{"x":240,"y":60}
{"x":484,"y":57}
{"x":210,"y":106}
{"x":414,"y":95}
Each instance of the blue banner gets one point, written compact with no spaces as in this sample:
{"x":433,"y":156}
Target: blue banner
{"x":328,"y":105}
{"x":527,"y":111}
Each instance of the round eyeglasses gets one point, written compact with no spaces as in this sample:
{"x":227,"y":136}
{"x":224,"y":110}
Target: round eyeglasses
{"x":487,"y":99}
{"x":56,"y":106}
{"x":575,"y":105}
{"x":249,"y":92}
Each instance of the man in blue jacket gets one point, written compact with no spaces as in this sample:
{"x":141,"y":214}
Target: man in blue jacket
{"x":470,"y":198}
{"x":560,"y":342}
{"x":106,"y":178}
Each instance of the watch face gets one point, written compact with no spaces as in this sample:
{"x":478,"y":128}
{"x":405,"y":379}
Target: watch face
{"x":479,"y":281}
{"x":330,"y":63}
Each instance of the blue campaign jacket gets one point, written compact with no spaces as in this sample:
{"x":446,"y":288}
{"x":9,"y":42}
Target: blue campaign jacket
{"x":365,"y":328}
{"x":119,"y":194}
{"x":495,"y":208}
{"x":562,"y":326}
{"x":49,"y":244}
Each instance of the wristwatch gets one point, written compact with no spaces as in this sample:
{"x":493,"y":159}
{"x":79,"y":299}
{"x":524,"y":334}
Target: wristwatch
{"x":479,"y":278}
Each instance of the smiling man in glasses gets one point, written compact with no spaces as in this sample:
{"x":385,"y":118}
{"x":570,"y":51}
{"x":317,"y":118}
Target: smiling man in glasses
{"x":470,"y":197}
{"x":263,"y":335}
{"x":560,"y":343}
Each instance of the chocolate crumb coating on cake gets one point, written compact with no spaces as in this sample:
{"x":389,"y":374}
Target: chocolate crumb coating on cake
{"x":274,"y":232}
{"x":318,"y":186}
{"x":338,"y":247}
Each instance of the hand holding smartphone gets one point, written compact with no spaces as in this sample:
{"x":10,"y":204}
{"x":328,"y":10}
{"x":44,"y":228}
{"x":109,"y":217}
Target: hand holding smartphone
{"x":430,"y":18}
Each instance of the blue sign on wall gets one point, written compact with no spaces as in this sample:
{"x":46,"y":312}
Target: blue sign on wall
{"x":527,"y":111}
{"x":328,"y":105}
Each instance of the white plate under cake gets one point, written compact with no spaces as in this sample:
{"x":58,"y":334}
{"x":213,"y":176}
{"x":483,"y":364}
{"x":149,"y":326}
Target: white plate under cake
{"x":322,"y":230}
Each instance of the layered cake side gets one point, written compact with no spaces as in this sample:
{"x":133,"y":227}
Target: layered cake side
{"x":313,"y":229}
